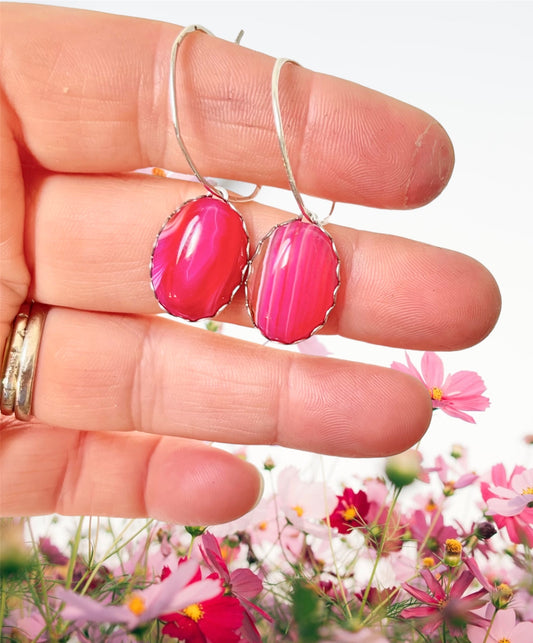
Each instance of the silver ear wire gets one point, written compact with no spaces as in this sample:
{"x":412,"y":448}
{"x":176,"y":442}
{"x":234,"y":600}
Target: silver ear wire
{"x":276,"y":72}
{"x":212,"y":189}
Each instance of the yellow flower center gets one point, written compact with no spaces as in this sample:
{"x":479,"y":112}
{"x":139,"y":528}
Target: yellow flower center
{"x":527,"y":491}
{"x":299,"y":511}
{"x":262,"y":525}
{"x":349,"y":513}
{"x":431,"y":506}
{"x":504,"y":640}
{"x":453,"y":546}
{"x":436,"y":393}
{"x":194,"y":612}
{"x":136,"y":604}
{"x":428,"y":561}
{"x":157,"y":171}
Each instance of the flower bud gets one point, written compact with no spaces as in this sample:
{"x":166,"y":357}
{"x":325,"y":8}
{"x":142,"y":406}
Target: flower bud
{"x":269,"y":464}
{"x":194,"y":531}
{"x":501,"y":596}
{"x":404,"y":468}
{"x":457,"y":451}
{"x":485,"y":530}
{"x":452,"y":552}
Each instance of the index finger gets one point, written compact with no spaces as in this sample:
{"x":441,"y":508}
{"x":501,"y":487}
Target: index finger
{"x":91,"y":94}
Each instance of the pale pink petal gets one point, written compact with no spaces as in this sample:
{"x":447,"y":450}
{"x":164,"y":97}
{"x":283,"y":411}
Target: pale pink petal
{"x":511,"y":507}
{"x":522,"y":633}
{"x":449,"y":409}
{"x":197,"y":592}
{"x":503,"y":623}
{"x":432,"y":370}
{"x":410,"y":369}
{"x":503,"y":492}
{"x":313,"y":346}
{"x":465,"y":480}
{"x":522,"y":481}
{"x":464,"y":383}
{"x":477,"y":634}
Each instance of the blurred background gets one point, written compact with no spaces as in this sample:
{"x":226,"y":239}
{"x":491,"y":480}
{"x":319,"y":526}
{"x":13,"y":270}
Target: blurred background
{"x":469,"y":65}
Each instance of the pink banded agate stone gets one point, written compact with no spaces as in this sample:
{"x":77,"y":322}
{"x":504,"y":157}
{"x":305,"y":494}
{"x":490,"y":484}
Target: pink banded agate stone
{"x":292,"y":281}
{"x":199,"y":258}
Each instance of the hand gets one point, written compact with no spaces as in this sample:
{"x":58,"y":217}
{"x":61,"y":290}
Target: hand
{"x":123,"y":398}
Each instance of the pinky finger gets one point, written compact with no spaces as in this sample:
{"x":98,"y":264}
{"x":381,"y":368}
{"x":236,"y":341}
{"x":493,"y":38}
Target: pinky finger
{"x":46,"y":470}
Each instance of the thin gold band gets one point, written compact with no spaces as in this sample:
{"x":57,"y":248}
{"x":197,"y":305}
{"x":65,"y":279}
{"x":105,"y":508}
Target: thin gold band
{"x":20,"y":361}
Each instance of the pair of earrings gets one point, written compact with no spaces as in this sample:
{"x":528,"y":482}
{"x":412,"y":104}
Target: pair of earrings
{"x":201,"y":256}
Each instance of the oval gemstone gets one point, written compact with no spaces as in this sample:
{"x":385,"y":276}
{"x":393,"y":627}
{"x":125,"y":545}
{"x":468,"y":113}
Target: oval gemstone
{"x":199,"y":258}
{"x":292,"y":281}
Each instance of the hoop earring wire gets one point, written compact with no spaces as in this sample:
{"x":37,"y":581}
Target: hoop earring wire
{"x":276,"y":108}
{"x":212,"y":189}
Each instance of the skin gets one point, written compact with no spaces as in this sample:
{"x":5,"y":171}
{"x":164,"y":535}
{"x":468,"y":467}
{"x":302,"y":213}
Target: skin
{"x":124,"y":399}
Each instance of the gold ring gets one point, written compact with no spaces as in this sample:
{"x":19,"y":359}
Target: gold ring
{"x":20,"y":361}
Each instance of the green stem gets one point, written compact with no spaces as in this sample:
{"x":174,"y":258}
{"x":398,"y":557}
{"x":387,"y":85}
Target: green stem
{"x":330,"y":539}
{"x":113,"y":549}
{"x":3,"y":602}
{"x":74,"y":553}
{"x":490,"y":626}
{"x":379,"y":551}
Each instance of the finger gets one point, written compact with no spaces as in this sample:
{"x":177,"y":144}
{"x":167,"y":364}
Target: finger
{"x":100,"y":104}
{"x":95,"y":255}
{"x":120,"y":373}
{"x":46,"y":469}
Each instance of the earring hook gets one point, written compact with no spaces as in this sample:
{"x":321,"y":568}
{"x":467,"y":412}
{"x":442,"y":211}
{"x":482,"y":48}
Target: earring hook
{"x":215,"y":191}
{"x":276,"y":72}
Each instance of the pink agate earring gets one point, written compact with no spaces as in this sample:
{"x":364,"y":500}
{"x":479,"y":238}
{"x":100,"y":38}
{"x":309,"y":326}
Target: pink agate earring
{"x":293,"y":277}
{"x":200,"y":255}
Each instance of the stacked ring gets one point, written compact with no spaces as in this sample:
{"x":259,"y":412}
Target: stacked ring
{"x":20,"y":361}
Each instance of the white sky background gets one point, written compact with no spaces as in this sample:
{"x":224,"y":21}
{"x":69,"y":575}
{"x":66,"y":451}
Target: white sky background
{"x":470,"y":65}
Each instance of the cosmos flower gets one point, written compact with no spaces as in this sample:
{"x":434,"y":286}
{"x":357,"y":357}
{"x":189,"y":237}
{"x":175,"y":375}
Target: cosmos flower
{"x":502,"y":493}
{"x":175,"y":592}
{"x":455,"y":394}
{"x":512,"y":499}
{"x":445,"y":606}
{"x":503,"y":628}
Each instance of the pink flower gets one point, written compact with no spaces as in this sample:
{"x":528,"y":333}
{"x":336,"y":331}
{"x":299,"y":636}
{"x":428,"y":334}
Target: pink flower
{"x":457,"y":393}
{"x":519,"y":526}
{"x":503,"y":628}
{"x":430,"y":532}
{"x":445,"y":606}
{"x":304,"y":503}
{"x":512,"y":500}
{"x":175,"y":592}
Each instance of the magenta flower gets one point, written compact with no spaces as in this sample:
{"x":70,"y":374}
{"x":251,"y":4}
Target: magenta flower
{"x":459,"y":392}
{"x":431,"y":532}
{"x":242,"y":583}
{"x":350,"y":512}
{"x":445,"y":606}
{"x":503,"y":494}
{"x":503,"y":628}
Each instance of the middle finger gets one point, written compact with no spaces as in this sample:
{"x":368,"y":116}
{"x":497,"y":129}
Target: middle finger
{"x":94,"y":254}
